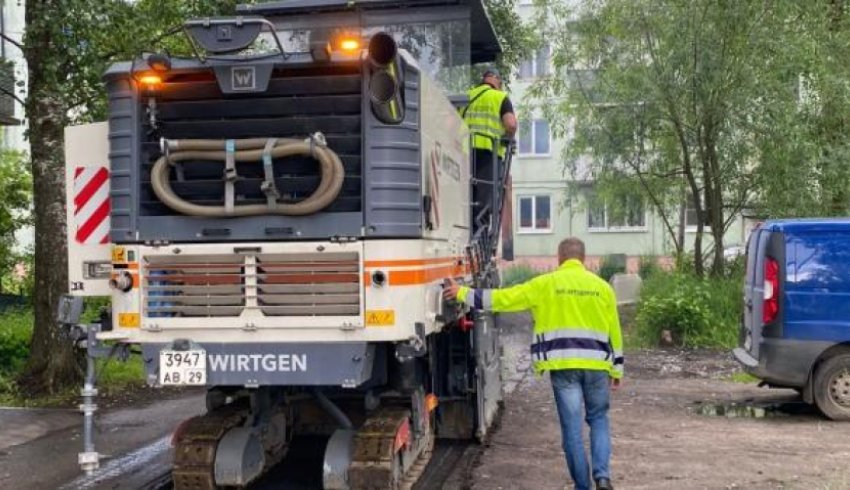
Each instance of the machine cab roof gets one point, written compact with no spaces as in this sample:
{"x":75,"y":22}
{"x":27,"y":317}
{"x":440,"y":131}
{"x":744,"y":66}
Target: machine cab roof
{"x":444,"y":36}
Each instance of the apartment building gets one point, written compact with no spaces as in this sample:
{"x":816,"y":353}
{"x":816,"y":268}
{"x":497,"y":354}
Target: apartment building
{"x":548,"y":206}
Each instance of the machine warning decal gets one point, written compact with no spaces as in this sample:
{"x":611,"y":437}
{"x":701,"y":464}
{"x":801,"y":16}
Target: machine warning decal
{"x":91,"y":205}
{"x":380,"y":318}
{"x":128,"y":320}
{"x":119,"y":254}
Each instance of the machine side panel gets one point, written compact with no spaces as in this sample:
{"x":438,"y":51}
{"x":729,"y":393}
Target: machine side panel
{"x":123,"y":153}
{"x":392,"y":170}
{"x":446,"y":175}
{"x":87,"y":208}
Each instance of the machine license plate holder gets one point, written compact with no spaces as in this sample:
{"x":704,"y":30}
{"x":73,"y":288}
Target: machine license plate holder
{"x":183,"y":368}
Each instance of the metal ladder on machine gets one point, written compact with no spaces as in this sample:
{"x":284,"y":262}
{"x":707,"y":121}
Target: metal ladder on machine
{"x":487,"y":222}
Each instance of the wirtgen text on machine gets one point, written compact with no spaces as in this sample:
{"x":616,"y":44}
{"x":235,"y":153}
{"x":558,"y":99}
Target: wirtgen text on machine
{"x":283,"y":363}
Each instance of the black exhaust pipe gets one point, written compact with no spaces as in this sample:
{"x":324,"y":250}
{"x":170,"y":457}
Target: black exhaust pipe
{"x":385,"y":82}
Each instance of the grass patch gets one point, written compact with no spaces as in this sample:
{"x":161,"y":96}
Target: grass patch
{"x":114,"y":376}
{"x":697,"y":312}
{"x":15,"y":334}
{"x":743,"y":378}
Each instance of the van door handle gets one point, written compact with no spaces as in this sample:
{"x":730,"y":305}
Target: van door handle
{"x":750,"y":303}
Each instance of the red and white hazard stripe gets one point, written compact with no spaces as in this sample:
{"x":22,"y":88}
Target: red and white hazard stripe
{"x":91,"y":204}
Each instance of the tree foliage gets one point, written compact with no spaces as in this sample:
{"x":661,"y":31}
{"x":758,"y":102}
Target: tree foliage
{"x":516,"y":37}
{"x":803,"y":169}
{"x":16,"y":196}
{"x":699,"y":103}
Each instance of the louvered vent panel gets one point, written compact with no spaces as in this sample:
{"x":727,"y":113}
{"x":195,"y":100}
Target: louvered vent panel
{"x":303,"y":284}
{"x":320,"y":284}
{"x":195,"y":285}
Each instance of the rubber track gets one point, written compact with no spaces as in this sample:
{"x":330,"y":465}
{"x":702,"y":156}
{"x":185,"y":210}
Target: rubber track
{"x":374,"y":463}
{"x":194,"y":452}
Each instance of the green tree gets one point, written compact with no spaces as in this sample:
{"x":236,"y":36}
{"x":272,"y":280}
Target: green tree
{"x":16,"y":196}
{"x":516,"y":37}
{"x":67,"y":45}
{"x":663,"y":96}
{"x":803,"y":137}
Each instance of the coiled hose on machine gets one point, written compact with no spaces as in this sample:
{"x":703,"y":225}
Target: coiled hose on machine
{"x":261,"y":150}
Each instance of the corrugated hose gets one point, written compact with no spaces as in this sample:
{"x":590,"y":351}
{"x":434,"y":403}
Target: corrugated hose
{"x":261,"y":150}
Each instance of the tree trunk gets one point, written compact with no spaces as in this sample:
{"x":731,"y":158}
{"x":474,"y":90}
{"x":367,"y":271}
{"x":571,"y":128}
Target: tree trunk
{"x":683,"y":223}
{"x":713,"y":195}
{"x":54,"y":363}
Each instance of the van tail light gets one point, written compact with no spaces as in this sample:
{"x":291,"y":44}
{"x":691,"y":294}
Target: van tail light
{"x":770,"y":306}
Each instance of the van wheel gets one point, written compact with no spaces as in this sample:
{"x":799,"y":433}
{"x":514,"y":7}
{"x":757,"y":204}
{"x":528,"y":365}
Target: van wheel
{"x":832,"y":387}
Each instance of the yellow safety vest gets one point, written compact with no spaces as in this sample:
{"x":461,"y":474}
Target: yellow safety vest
{"x":576,"y":325}
{"x":482,"y":117}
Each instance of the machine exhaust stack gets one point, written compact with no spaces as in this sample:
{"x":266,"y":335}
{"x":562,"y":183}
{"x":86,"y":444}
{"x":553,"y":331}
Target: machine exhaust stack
{"x":385,"y":83}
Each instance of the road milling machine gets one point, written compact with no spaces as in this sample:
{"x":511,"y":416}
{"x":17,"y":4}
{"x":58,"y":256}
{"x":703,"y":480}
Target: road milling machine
{"x":273,"y":217}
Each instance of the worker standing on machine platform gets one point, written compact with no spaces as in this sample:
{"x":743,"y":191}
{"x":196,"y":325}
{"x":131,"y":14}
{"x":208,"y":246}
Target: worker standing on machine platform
{"x":490,"y":117}
{"x":577,"y":338}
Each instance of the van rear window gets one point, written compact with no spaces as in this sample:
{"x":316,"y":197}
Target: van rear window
{"x":819,"y":260}
{"x":752,"y":255}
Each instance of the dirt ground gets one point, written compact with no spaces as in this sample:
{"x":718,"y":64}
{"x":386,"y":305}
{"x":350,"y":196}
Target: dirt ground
{"x":660,"y":438}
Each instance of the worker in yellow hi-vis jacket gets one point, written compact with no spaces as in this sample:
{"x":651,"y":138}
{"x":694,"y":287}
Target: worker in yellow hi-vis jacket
{"x":577,"y":338}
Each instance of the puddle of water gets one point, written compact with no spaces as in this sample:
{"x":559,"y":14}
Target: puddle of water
{"x":752,"y":410}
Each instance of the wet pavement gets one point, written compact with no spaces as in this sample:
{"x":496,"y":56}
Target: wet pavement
{"x":136,"y":440}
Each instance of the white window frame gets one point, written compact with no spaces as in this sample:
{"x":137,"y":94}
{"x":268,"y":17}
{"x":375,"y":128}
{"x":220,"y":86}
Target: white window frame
{"x":533,"y":230}
{"x":616,"y":229}
{"x":689,"y":228}
{"x":533,"y":139}
{"x":535,"y":66}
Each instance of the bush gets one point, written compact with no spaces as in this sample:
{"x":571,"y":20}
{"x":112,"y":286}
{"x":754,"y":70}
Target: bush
{"x":610,"y":266}
{"x":648,"y":266}
{"x":518,"y":274}
{"x":697,"y":312}
{"x":15,"y":333}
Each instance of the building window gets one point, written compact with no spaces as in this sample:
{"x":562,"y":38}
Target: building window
{"x":622,"y":213}
{"x":534,"y":137}
{"x":691,"y":220}
{"x":535,"y":214}
{"x":537,"y":66}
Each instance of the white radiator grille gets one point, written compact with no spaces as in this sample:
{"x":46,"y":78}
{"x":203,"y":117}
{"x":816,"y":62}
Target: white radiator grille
{"x":322,"y":284}
{"x":228,"y":285}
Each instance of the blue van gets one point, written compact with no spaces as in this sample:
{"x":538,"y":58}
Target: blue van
{"x":795,"y":330}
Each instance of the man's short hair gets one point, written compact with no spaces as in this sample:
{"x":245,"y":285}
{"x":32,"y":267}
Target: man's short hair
{"x":571,"y":248}
{"x":491,"y":72}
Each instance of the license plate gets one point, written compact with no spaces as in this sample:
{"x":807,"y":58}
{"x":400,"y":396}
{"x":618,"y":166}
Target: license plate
{"x":183,"y":367}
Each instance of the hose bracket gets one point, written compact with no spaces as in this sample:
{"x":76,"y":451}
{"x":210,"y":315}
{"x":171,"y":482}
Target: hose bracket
{"x":268,"y":186}
{"x":317,"y":139}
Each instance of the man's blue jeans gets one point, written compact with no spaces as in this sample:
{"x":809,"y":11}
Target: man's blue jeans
{"x":581,"y":393}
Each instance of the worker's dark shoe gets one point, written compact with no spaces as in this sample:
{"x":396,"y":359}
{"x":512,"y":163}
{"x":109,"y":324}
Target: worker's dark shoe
{"x":604,"y":484}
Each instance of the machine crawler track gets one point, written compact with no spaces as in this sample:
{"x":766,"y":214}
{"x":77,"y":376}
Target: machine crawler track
{"x":379,"y":463}
{"x":195,"y":447}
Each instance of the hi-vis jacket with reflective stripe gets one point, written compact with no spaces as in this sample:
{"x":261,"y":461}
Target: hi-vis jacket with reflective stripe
{"x":483,"y":117}
{"x":575,"y":318}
